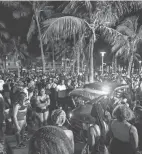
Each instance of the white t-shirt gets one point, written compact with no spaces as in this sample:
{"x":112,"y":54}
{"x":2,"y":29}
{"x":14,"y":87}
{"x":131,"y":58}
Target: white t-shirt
{"x":61,"y":87}
{"x":61,"y":91}
{"x":1,"y":85}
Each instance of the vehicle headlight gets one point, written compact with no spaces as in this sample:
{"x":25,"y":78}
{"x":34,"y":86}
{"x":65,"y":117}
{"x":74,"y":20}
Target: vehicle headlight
{"x":70,"y":115}
{"x":106,"y":89}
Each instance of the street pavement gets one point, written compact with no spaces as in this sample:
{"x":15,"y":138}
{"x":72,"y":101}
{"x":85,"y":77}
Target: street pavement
{"x":11,"y":140}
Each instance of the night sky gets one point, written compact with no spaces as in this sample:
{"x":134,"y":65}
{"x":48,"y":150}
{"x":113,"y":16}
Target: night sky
{"x":20,"y":28}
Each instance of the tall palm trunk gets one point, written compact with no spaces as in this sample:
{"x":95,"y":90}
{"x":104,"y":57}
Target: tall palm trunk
{"x":18,"y":67}
{"x":41,"y":45}
{"x":78,"y":62}
{"x":130,"y":65}
{"x":82,"y":65}
{"x":73,"y":67}
{"x":91,"y":59}
{"x":115,"y":64}
{"x":86,"y":74}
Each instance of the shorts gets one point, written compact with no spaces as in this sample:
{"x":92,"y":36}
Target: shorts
{"x":39,"y":110}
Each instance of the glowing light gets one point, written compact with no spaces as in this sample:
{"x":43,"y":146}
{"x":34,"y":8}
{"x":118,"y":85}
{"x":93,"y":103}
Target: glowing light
{"x":70,"y":115}
{"x":106,"y":89}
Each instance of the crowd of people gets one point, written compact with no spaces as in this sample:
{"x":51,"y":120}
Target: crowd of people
{"x":36,"y":100}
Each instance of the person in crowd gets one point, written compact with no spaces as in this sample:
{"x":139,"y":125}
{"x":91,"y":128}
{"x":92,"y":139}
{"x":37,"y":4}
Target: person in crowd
{"x":96,"y":130}
{"x":61,"y":90}
{"x":58,"y":118}
{"x":80,"y":84}
{"x":138,"y":124}
{"x":75,"y":83}
{"x":53,"y":96}
{"x":124,"y":135}
{"x":33,"y":106}
{"x":42,"y":107}
{"x":30,"y":109}
{"x":19,"y":117}
{"x":6,"y":94}
{"x":50,"y":140}
{"x":69,"y":101}
{"x":1,"y":84}
{"x":2,"y":117}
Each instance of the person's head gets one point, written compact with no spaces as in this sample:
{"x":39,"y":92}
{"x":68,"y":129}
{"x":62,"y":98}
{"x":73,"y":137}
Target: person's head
{"x":50,"y":81}
{"x":62,"y":81}
{"x":50,"y":140}
{"x":35,"y":92}
{"x":58,"y":117}
{"x":69,"y":82}
{"x":122,"y":113}
{"x":31,"y":89}
{"x":42,"y":91}
{"x":22,"y":98}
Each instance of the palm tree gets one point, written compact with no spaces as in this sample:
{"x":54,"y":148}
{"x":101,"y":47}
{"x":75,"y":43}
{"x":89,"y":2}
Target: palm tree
{"x":106,"y":14}
{"x":69,"y":26}
{"x":36,"y":8}
{"x":4,"y":36}
{"x":130,"y":28}
{"x":18,"y":52}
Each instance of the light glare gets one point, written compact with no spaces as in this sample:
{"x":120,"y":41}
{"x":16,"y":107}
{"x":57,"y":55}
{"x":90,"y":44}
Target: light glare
{"x":106,"y":89}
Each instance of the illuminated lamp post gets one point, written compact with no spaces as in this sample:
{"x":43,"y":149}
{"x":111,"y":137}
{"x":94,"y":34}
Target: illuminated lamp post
{"x":140,"y":65}
{"x":102,"y":55}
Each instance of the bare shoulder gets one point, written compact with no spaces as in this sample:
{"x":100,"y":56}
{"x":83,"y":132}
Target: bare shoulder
{"x":133,"y":129}
{"x":69,"y":133}
{"x":94,"y":130}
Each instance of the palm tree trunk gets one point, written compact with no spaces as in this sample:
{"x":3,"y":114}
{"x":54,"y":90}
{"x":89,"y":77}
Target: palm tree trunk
{"x":86,"y":74}
{"x":130,"y":65}
{"x":73,"y":68}
{"x":41,"y":45}
{"x":82,"y":65}
{"x":18,"y":71}
{"x":78,"y":62}
{"x":115,"y":64}
{"x":91,"y":59}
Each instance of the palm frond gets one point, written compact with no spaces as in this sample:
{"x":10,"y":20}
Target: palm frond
{"x":32,"y":30}
{"x":13,"y":4}
{"x":126,"y":7}
{"x":62,"y":27}
{"x":126,"y":30}
{"x":137,"y":58}
{"x":46,"y":8}
{"x":111,"y":12}
{"x":139,"y":34}
{"x":116,"y":47}
{"x":70,"y":7}
{"x":137,"y":55}
{"x":88,"y":5}
{"x":17,"y":50}
{"x":111,"y":35}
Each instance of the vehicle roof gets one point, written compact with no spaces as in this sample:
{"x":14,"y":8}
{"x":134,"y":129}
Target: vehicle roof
{"x":99,"y":85}
{"x":86,"y":93}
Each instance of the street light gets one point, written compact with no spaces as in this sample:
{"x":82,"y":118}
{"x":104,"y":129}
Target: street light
{"x":140,"y":65}
{"x":102,"y":55}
